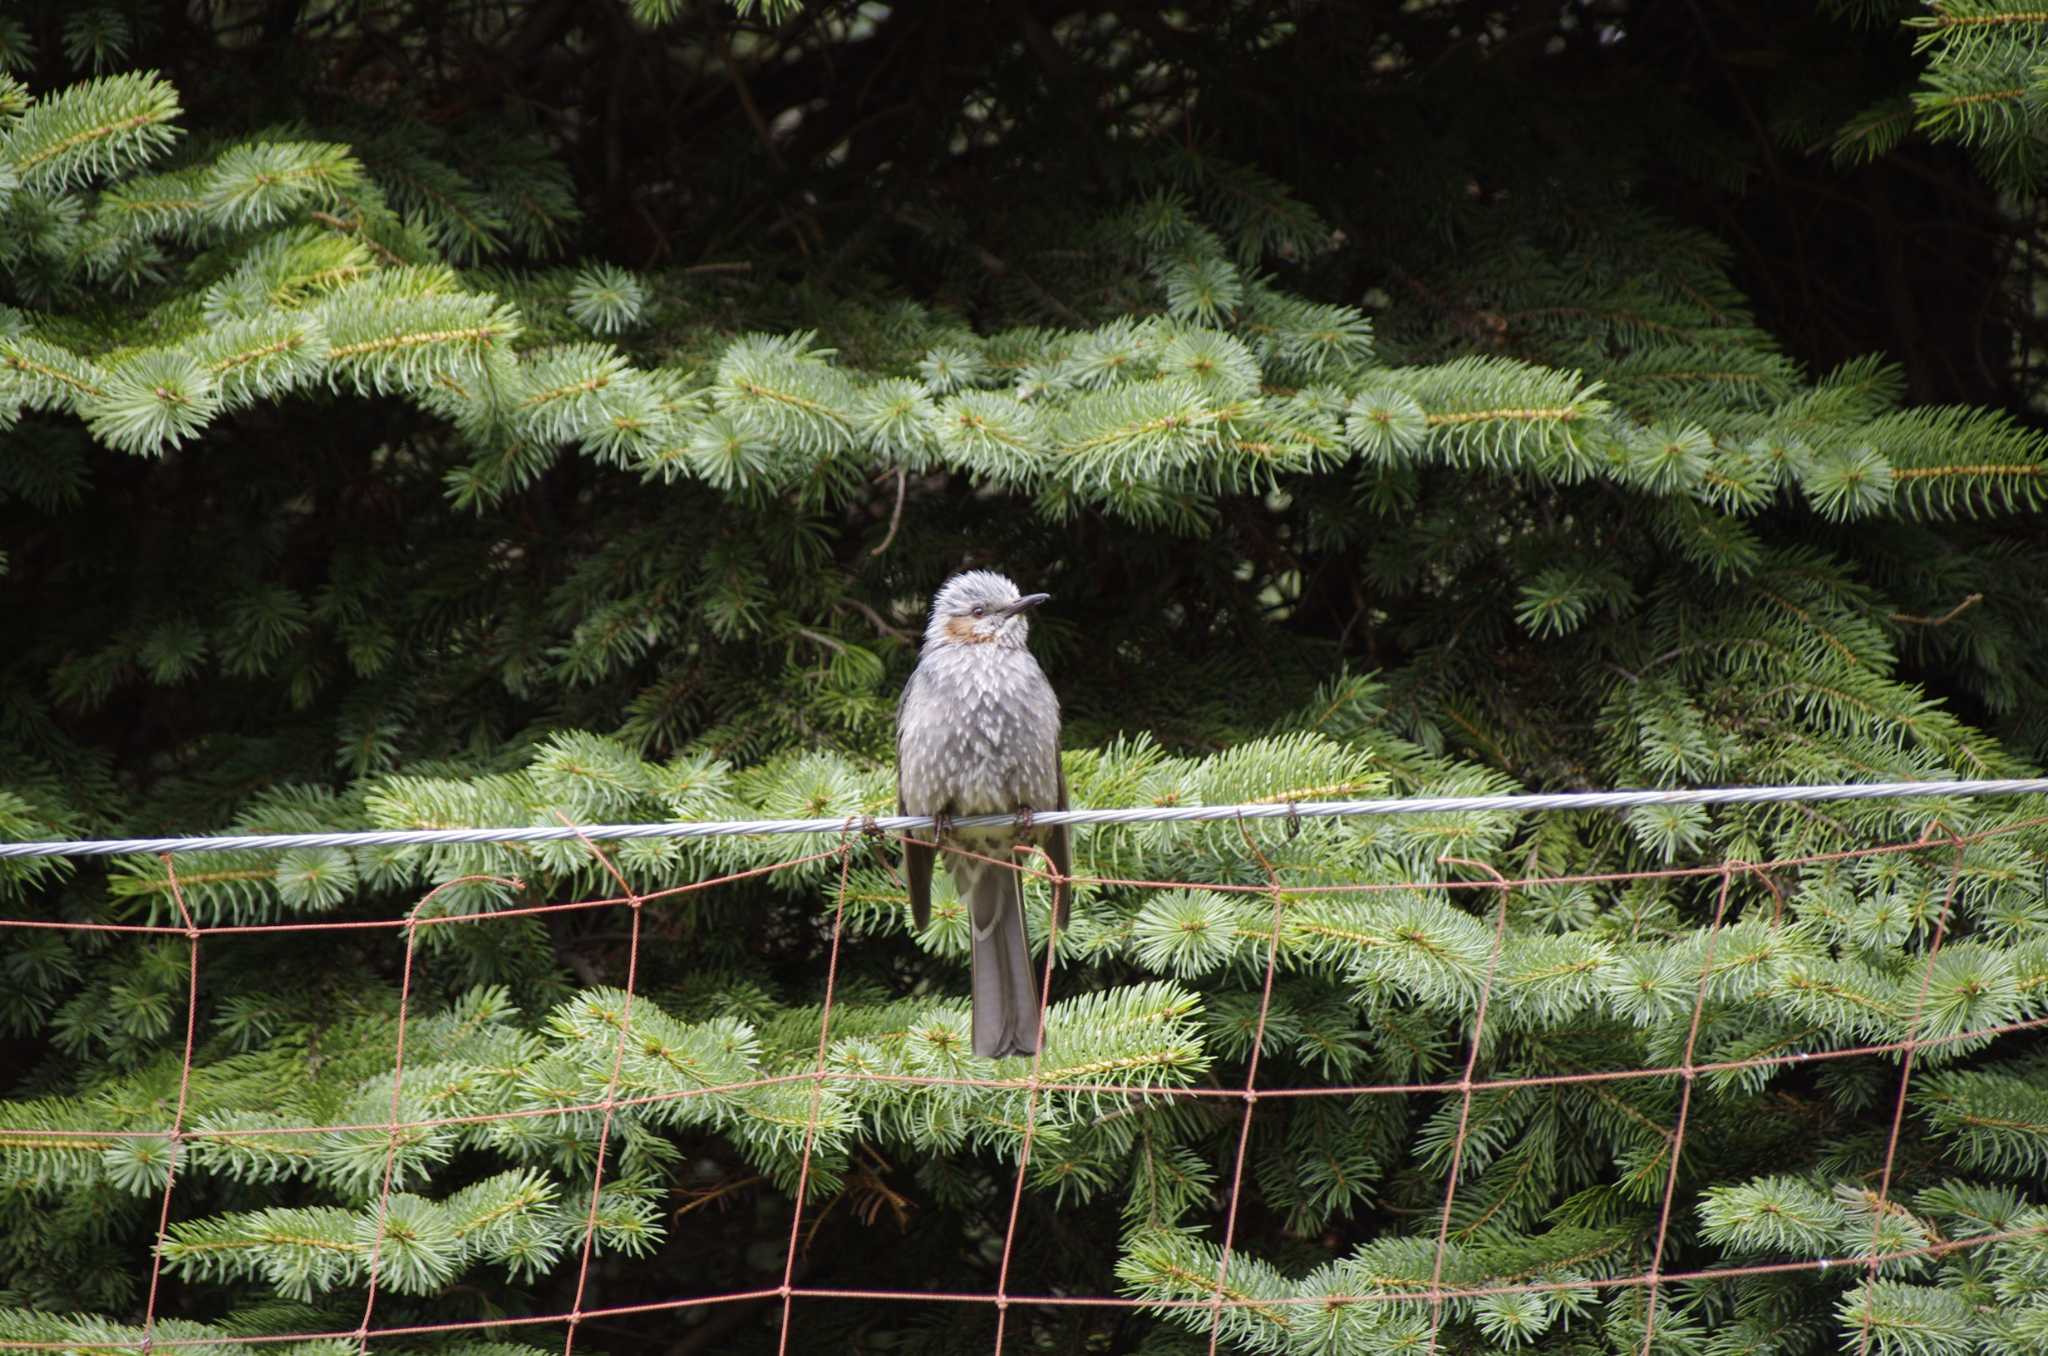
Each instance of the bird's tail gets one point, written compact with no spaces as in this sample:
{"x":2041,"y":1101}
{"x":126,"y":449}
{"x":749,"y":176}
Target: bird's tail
{"x":1005,"y":989}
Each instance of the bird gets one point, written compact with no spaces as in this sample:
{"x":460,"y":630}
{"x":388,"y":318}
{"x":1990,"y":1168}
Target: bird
{"x":978,"y":733}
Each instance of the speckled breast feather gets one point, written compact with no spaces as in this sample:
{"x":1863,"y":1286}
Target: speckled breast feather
{"x":979,"y":734}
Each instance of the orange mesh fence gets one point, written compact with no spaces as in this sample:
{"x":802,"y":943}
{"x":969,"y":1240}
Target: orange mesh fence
{"x":790,"y":1293}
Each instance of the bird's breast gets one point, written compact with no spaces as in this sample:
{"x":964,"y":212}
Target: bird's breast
{"x":980,"y":734}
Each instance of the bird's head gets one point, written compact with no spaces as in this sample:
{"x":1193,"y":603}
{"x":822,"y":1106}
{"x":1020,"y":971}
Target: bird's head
{"x":980,"y":607}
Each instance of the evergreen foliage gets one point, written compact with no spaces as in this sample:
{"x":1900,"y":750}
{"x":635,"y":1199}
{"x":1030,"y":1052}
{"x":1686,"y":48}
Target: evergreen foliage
{"x":429,"y":415}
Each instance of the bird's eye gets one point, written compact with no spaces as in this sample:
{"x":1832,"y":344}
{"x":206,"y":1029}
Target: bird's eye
{"x":980,"y":611}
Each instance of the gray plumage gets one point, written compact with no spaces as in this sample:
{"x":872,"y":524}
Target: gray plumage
{"x":978,"y":732}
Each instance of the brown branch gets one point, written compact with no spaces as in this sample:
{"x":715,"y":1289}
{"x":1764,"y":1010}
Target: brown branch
{"x":875,"y":617}
{"x":895,"y":518}
{"x":1945,"y":618}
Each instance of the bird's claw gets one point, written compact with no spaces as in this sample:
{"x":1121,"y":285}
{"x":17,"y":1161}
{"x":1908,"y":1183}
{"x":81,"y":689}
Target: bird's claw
{"x":1024,"y":816}
{"x":942,"y":826}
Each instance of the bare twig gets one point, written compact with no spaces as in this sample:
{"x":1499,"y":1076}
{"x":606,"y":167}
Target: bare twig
{"x":895,"y":518}
{"x":831,"y":642}
{"x":1945,"y":618}
{"x":747,"y":104}
{"x":875,"y":618}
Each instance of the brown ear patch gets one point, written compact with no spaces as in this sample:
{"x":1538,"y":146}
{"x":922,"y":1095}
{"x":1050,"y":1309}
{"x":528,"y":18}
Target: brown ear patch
{"x":961,"y":630}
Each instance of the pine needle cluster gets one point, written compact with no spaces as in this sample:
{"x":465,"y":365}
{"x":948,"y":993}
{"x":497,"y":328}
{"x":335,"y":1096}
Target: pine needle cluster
{"x":348,"y":484}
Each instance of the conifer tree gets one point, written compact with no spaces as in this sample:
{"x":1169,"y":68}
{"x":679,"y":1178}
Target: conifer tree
{"x":428,"y":414}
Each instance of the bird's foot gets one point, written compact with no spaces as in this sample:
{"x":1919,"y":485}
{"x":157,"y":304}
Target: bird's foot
{"x":942,"y":826}
{"x":1024,"y":816}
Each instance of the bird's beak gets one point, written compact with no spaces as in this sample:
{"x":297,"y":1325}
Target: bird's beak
{"x":1027,"y":602}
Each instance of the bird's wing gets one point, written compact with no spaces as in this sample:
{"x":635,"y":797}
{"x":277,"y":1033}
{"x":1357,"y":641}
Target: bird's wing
{"x":1060,"y":848}
{"x":917,"y":861}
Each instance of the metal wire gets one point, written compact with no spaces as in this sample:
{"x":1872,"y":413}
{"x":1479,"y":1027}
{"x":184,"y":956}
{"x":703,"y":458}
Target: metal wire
{"x":1517,"y":803}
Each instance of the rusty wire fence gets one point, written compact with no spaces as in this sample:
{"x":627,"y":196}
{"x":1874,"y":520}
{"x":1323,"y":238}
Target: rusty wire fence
{"x":853,"y":837}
